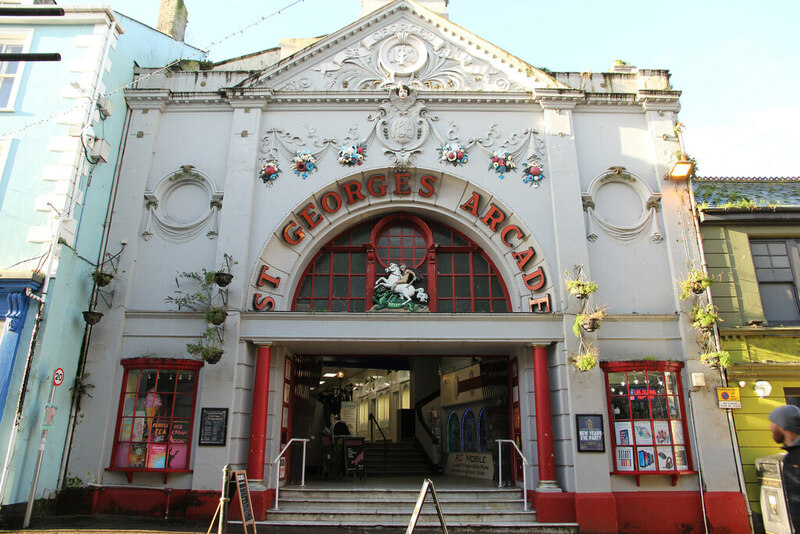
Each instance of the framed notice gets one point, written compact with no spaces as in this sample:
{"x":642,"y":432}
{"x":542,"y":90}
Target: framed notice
{"x":590,"y":433}
{"x":213,"y":426}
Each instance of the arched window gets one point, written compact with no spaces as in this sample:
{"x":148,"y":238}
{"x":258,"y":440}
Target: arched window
{"x":456,"y":274}
{"x":453,"y":433}
{"x":483,"y":431}
{"x":469,"y":432}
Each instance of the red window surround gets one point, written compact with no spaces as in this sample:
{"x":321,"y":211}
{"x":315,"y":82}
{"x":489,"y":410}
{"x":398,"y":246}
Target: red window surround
{"x":647,"y":419}
{"x":155,"y":417}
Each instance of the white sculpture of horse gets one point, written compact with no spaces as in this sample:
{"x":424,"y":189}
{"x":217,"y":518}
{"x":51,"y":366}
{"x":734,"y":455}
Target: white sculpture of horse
{"x":396,"y":273}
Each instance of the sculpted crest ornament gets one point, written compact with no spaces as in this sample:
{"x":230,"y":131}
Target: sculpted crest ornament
{"x":401,"y":125}
{"x":397,"y":290}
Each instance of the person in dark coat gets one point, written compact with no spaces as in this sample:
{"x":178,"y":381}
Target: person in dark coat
{"x":785,"y":427}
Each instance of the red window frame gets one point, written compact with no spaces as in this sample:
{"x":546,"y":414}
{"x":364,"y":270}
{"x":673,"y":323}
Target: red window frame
{"x":159,"y":365}
{"x":663,"y":439}
{"x":487,"y":290}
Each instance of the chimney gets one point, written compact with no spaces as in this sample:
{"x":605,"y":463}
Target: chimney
{"x":437,"y":6}
{"x":172,"y":18}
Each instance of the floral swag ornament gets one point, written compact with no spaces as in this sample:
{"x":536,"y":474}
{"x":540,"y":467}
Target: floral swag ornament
{"x":453,"y":154}
{"x":353,"y":155}
{"x":269,"y":172}
{"x":502,"y":162}
{"x":304,"y":163}
{"x":532,"y":174}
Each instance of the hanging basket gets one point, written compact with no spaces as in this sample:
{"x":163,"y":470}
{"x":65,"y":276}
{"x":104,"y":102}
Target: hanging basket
{"x":92,"y":317}
{"x":102,"y":279}
{"x":590,"y":324}
{"x":212,"y":355}
{"x":222,"y":279}
{"x":216,"y":316}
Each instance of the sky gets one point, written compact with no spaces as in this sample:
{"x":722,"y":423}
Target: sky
{"x":737,"y":62}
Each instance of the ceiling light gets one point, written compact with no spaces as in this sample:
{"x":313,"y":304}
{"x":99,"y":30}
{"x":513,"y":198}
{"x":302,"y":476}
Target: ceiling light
{"x":328,"y":375}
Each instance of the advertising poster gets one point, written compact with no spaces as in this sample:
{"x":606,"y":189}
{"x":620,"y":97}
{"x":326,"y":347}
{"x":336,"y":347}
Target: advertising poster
{"x":178,"y":456}
{"x":643,"y":432}
{"x":138,"y":455}
{"x":681,"y":462}
{"x":157,"y":457}
{"x":646,"y":457}
{"x":624,"y":433}
{"x":665,"y":460}
{"x":661,"y":431}
{"x":677,"y":432}
{"x":625,"y":459}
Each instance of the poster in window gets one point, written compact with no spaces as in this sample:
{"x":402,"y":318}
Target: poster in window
{"x":125,"y":429}
{"x":665,"y":460}
{"x":681,"y":462}
{"x":625,"y":459}
{"x":661,"y":432}
{"x":646,"y":458}
{"x":643,"y":432}
{"x":157,"y":456}
{"x":139,"y":427}
{"x":138,"y":455}
{"x":677,"y":432}
{"x":624,"y":433}
{"x":122,"y":454}
{"x":177,"y":458}
{"x":159,"y":430}
{"x":180,"y":431}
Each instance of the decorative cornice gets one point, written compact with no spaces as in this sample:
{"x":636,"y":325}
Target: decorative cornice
{"x":558,"y":98}
{"x":659,"y":100}
{"x":147,"y":98}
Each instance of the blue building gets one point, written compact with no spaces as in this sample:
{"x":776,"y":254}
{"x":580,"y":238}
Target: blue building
{"x":61,"y":125}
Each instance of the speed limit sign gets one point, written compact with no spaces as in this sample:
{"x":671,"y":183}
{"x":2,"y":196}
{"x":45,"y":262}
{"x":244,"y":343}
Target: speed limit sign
{"x":58,"y":377}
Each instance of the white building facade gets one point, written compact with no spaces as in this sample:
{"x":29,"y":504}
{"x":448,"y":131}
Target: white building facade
{"x":404,"y":143}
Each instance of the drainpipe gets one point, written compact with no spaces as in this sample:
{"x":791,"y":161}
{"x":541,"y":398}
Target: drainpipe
{"x":731,"y":424}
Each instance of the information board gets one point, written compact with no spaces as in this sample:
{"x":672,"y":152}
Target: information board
{"x":354,"y":456}
{"x":243,"y":493}
{"x":213,"y":426}
{"x":729,"y":398}
{"x":590,"y":433}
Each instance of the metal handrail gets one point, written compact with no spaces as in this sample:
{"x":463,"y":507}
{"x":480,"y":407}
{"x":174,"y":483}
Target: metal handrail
{"x":525,"y":462}
{"x":372,"y":419}
{"x":420,"y":500}
{"x":278,"y":471}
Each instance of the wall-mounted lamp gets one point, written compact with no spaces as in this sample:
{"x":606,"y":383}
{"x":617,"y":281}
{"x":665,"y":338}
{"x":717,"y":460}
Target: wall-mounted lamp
{"x":681,"y":171}
{"x":742,"y":383}
{"x":340,"y":374}
{"x":698,"y":381}
{"x":762,"y":388}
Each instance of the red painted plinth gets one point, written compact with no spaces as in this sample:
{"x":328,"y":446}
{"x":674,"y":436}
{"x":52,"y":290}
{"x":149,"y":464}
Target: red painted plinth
{"x":727,"y":512}
{"x":596,"y":512}
{"x":554,"y":507}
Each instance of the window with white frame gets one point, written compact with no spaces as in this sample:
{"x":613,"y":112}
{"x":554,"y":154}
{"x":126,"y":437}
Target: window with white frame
{"x":777,"y":263}
{"x":11,"y":71}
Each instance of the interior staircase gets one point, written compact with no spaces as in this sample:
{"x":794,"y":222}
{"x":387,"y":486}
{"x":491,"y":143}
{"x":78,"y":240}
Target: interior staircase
{"x":387,"y":459}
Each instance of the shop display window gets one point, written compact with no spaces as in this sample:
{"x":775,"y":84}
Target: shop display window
{"x":455,"y":273}
{"x":469,"y":432}
{"x":647,"y":418}
{"x":156,"y":415}
{"x":483,"y":431}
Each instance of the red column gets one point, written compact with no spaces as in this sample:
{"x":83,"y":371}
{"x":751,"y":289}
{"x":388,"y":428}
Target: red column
{"x":544,"y":419}
{"x":258,"y":415}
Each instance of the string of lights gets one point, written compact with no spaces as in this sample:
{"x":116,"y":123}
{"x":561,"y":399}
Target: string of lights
{"x":49,"y":118}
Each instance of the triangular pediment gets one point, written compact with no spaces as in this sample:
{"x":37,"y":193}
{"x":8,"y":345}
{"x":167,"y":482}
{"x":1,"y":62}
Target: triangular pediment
{"x":402,"y":43}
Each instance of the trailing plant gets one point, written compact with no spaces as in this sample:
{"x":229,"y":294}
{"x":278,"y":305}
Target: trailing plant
{"x":579,"y":287}
{"x":209,"y":300}
{"x":586,"y":359}
{"x":720,"y":358}
{"x":208,"y":347}
{"x":695,"y":283}
{"x":704,"y":317}
{"x":80,"y":388}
